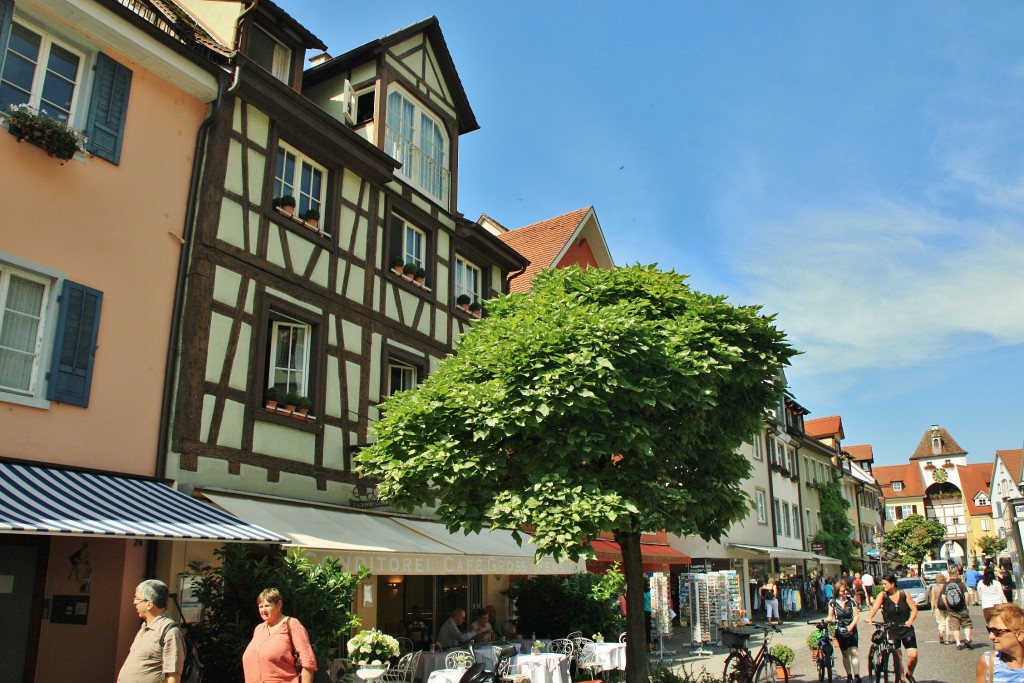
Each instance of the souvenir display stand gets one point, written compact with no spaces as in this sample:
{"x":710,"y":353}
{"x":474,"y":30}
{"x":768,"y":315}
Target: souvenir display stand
{"x":661,"y":612}
{"x":709,"y":602}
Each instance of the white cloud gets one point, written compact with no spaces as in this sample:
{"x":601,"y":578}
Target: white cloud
{"x":888,"y":287}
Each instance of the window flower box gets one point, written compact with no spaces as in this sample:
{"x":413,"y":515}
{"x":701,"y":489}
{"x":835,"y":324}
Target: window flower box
{"x":54,"y":137}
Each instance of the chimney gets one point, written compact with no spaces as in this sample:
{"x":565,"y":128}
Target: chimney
{"x":317,"y":60}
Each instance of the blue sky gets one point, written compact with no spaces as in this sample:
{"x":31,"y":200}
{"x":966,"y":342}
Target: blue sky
{"x":856,"y":168}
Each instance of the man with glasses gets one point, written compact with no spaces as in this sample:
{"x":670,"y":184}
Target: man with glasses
{"x":158,"y":652}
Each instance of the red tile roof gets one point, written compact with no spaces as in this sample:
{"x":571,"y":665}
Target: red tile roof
{"x":975,"y":478}
{"x":541,"y":243}
{"x":820,"y":427}
{"x":909,"y":474}
{"x":948,"y":447}
{"x":1013,"y":459}
{"x":860,"y":453}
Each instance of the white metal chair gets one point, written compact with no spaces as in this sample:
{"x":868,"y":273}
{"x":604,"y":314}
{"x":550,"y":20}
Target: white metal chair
{"x":404,"y":644}
{"x":503,"y":656}
{"x":404,"y":671}
{"x":459,"y":659}
{"x":622,"y":637}
{"x":574,"y":635}
{"x":562,"y":646}
{"x":588,"y":661}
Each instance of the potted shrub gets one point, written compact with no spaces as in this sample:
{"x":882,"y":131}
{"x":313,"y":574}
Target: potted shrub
{"x":302,"y":405}
{"x":409,"y":270}
{"x":56,"y":138}
{"x":419,"y":276}
{"x":463,"y":302}
{"x":285,"y":204}
{"x":311,"y":217}
{"x":271,"y":397}
{"x":815,"y":636}
{"x":290,"y":400}
{"x":475,"y":308}
{"x":396,"y":265}
{"x":786,"y":655}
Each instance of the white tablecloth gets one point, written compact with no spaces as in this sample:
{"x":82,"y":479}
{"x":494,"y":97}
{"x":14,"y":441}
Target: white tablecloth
{"x":609,"y":655}
{"x":446,"y":676}
{"x":547,"y":667}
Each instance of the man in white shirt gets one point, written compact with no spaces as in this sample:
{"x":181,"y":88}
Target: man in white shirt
{"x":868,"y":582}
{"x":451,"y":634}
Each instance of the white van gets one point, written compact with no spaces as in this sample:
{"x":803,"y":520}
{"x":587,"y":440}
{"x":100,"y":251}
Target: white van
{"x":932,"y":568}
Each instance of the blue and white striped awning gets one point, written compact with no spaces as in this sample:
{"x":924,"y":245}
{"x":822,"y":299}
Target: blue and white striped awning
{"x":40,"y":500}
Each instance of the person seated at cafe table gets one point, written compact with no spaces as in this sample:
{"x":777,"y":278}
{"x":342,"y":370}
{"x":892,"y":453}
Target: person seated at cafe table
{"x":451,"y":635}
{"x":500,"y":634}
{"x":483,"y":627}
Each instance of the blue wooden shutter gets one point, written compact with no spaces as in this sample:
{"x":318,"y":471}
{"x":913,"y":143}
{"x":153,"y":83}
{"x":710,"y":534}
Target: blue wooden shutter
{"x":74,"y":347}
{"x":108,"y":108}
{"x":6,"y":16}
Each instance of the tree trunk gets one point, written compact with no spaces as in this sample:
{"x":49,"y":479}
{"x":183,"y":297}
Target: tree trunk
{"x":636,"y":637}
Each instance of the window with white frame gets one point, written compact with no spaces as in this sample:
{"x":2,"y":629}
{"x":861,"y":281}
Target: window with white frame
{"x":269,"y":53}
{"x":298,"y":176}
{"x":401,"y":376}
{"x":773,"y":458}
{"x":809,"y":524}
{"x":897,"y":486}
{"x":417,"y":139}
{"x":23,"y":300}
{"x":787,"y":525}
{"x":760,"y":503}
{"x":289,"y":356}
{"x":986,"y":525}
{"x":414,"y":242}
{"x":468,"y":279}
{"x":757,"y":449}
{"x":778,"y":511}
{"x":40,"y":71}
{"x":982,"y":500}
{"x":796,"y":522}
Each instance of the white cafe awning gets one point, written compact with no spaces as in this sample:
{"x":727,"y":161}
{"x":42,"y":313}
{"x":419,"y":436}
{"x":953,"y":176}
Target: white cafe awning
{"x":774,"y":551}
{"x":388,"y":544}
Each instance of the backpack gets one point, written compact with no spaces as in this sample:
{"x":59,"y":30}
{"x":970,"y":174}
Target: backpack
{"x":192,"y":670}
{"x":954,"y":596}
{"x":767,"y":594}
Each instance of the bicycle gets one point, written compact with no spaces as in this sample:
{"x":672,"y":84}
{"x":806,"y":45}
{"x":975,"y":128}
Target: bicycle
{"x":883,"y":656}
{"x":743,"y":667}
{"x":825,"y":650}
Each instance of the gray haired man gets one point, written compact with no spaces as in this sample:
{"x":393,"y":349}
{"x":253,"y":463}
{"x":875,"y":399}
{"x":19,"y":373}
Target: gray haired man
{"x":158,"y":652}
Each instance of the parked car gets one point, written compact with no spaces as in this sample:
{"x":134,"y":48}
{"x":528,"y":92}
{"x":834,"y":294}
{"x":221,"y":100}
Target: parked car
{"x":932,"y":568}
{"x":916,"y":589}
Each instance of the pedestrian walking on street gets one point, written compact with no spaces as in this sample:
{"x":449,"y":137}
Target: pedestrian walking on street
{"x":1006,"y":631}
{"x":939,"y":608}
{"x":954,"y":597}
{"x":278,"y":647}
{"x":990,"y":592}
{"x":158,"y":651}
{"x":843,"y":610}
{"x":900,"y":612}
{"x":1006,"y":578}
{"x":971,"y":578}
{"x":770,"y":597}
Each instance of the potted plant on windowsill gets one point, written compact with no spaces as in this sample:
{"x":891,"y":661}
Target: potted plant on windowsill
{"x":475,"y":309}
{"x":290,"y":400}
{"x":271,"y":398}
{"x":419,"y":276}
{"x":311,"y":217}
{"x":286,"y":205}
{"x":409,"y":270}
{"x":396,"y":265}
{"x":302,"y":405}
{"x":32,"y":125}
{"x":463,"y":301}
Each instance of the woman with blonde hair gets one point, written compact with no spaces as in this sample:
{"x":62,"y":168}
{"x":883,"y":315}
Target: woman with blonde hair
{"x":278,"y":647}
{"x":939,"y":608}
{"x":1005,"y":662}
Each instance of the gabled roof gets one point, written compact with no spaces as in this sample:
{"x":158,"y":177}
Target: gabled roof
{"x":821,"y":427}
{"x":948,"y":446}
{"x":546,"y":242}
{"x":309,"y":41}
{"x":861,"y":452}
{"x":1012,"y":460}
{"x":909,"y":474}
{"x":364,"y":53}
{"x":974,"y":479}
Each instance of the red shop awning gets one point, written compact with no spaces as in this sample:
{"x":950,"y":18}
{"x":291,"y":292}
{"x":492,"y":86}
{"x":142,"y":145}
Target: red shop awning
{"x":652,"y":553}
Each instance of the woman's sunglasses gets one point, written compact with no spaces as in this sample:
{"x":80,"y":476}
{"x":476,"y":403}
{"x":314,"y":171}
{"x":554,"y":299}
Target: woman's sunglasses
{"x":998,"y":631}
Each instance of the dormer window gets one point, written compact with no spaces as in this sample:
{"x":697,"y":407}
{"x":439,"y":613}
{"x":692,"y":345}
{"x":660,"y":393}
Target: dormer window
{"x":897,"y":486}
{"x":418,"y":140}
{"x":981,"y":499}
{"x":270,"y":54}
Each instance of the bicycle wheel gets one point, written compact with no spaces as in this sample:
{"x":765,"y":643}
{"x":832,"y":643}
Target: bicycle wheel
{"x":771,"y":671}
{"x":734,"y":666}
{"x":883,"y":661}
{"x":825,"y":664}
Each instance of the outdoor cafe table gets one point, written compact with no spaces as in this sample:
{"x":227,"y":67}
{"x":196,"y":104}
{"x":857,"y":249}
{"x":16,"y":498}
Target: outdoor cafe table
{"x":428,"y":663}
{"x":446,"y":676}
{"x":608,"y":655}
{"x":546,"y":667}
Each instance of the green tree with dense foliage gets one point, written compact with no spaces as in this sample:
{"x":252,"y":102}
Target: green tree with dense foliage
{"x":552,"y":606}
{"x":604,"y":400}
{"x":914,"y":538}
{"x":317,"y":594}
{"x":991,"y":546}
{"x":836,"y":529}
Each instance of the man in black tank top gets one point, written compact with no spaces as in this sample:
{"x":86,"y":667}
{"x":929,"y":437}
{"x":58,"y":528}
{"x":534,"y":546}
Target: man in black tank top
{"x":899,"y":610}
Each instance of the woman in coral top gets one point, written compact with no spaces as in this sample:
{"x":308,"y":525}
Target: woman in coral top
{"x":270,"y":656}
